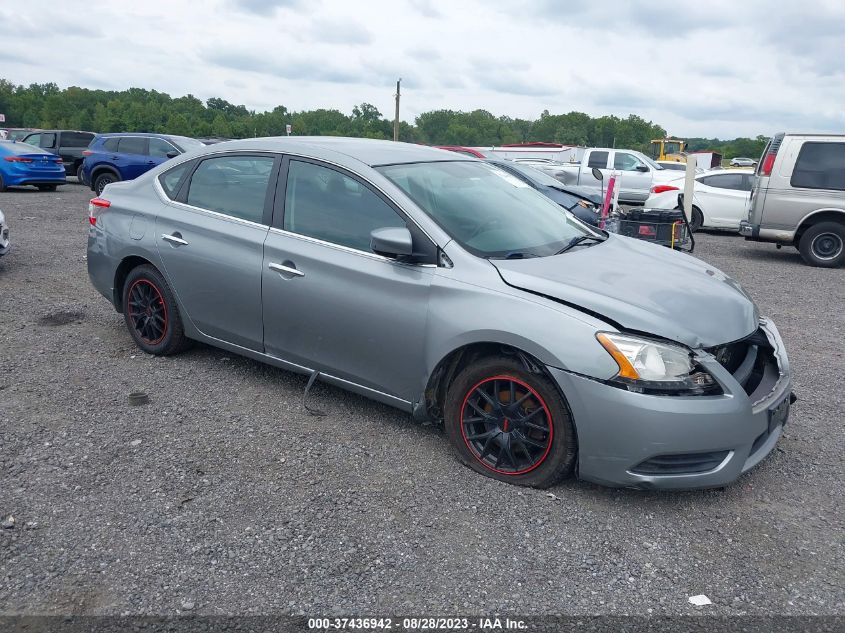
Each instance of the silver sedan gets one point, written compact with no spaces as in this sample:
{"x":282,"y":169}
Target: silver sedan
{"x":446,"y":287}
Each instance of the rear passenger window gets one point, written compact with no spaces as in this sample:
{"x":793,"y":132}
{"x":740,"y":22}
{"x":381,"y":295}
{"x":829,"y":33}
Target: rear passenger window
{"x":327,"y":205}
{"x":132,"y":145}
{"x":725,"y":181}
{"x":171,"y":179}
{"x":234,"y":185}
{"x":820,"y":166}
{"x":598,"y":159}
{"x":111,"y":144}
{"x":76,"y":139}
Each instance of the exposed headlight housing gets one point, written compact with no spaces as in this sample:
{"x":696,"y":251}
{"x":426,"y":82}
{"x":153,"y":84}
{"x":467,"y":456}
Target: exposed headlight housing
{"x":655,"y":367}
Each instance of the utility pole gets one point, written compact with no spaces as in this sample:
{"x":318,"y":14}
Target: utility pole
{"x":396,"y":118}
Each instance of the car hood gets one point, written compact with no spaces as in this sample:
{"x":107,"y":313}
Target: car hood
{"x":641,"y":287}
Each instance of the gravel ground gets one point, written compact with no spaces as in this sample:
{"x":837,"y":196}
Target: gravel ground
{"x":223,"y":496}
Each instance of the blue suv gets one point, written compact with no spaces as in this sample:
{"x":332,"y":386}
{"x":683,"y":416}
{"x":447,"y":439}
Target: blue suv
{"x":125,"y":156}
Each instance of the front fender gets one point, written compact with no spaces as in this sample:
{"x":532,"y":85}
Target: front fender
{"x":557,"y":335}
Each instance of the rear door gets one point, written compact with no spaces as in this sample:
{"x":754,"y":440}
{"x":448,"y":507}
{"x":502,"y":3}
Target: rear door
{"x":332,"y":304}
{"x":211,"y":240}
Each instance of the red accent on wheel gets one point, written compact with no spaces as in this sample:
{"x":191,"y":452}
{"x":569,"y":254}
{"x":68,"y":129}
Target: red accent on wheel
{"x":152,"y":303}
{"x":507,"y":422}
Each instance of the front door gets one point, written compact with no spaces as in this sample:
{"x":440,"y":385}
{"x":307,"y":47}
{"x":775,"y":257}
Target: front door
{"x":332,"y":304}
{"x":211,"y":239}
{"x":636,"y":176}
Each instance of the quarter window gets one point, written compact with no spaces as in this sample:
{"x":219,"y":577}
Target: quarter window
{"x":159,"y":148}
{"x":234,"y":185}
{"x":820,"y":166}
{"x":171,"y":179}
{"x":598,"y":159}
{"x":133,"y":145}
{"x":327,"y":205}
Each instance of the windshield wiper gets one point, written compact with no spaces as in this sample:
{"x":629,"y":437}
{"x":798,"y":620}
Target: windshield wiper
{"x":518,"y":255}
{"x":575,"y":241}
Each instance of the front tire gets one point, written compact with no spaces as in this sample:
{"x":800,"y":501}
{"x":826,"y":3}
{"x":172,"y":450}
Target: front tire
{"x":697,"y":220}
{"x":151,"y":314}
{"x":823,"y":244}
{"x":102,"y":180}
{"x":510,"y":424}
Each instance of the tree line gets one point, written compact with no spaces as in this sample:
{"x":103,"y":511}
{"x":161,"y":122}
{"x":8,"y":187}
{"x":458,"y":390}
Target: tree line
{"x":139,"y":110}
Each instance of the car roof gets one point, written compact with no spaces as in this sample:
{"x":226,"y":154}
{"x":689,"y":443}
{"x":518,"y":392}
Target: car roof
{"x":372,"y":152}
{"x":143,"y":134}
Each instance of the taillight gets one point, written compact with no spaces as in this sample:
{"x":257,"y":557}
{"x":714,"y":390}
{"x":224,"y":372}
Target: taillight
{"x":770,"y":153}
{"x":662,"y":188}
{"x":95,"y":207}
{"x":57,"y":159}
{"x":87,"y":152}
{"x":17,"y":159}
{"x":768,"y":164}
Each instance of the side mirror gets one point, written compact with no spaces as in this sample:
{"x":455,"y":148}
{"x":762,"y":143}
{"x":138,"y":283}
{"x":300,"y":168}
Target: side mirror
{"x":642,"y":168}
{"x":392,"y":242}
{"x":172,"y":154}
{"x":597,"y":174}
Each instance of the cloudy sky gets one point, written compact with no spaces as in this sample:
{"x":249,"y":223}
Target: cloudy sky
{"x":720,"y":68}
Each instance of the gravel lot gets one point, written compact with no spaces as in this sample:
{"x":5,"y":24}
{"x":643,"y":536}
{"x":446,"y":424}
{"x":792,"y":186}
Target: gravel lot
{"x":224,"y":496}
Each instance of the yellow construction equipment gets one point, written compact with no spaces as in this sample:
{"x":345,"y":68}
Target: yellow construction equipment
{"x":671,"y":149}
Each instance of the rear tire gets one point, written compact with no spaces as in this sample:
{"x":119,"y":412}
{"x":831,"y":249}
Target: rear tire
{"x":79,"y":175}
{"x":2,"y":184}
{"x":823,"y":245}
{"x":521,"y":433}
{"x":151,"y":314}
{"x":100,"y":182}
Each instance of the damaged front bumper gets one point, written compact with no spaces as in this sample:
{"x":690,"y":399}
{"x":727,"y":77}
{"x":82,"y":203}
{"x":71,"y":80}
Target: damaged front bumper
{"x":650,"y":441}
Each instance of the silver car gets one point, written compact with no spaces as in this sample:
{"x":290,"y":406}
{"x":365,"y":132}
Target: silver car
{"x":446,"y":287}
{"x":798,"y":197}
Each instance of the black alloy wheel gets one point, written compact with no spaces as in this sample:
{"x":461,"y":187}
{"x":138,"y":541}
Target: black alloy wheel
{"x":509,"y":423}
{"x":151,"y":314}
{"x":147,"y":311}
{"x":506,"y":425}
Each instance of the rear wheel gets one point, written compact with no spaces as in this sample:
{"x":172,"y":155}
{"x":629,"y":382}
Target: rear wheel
{"x":823,"y":244}
{"x":510,"y":424}
{"x":2,"y":184}
{"x":46,"y":187}
{"x":103,"y":179}
{"x":151,"y":314}
{"x":79,"y":175}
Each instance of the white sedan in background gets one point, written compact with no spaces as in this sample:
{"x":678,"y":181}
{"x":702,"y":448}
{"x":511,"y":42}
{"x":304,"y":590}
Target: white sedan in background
{"x":5,"y":245}
{"x":720,"y":198}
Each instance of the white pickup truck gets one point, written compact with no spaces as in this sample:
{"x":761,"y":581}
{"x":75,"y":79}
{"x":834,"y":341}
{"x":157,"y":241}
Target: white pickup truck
{"x":637,"y":172}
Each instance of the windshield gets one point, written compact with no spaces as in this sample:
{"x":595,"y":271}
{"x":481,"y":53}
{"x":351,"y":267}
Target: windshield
{"x":486,"y":210}
{"x":535,"y":175}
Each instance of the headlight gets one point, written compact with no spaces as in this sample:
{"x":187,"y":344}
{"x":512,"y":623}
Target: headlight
{"x":648,"y":366}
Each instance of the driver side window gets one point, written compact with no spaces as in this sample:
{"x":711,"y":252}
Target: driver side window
{"x":327,"y":205}
{"x":626,"y":162}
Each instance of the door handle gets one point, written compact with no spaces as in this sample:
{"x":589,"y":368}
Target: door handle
{"x":174,"y":239}
{"x":287,"y":270}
